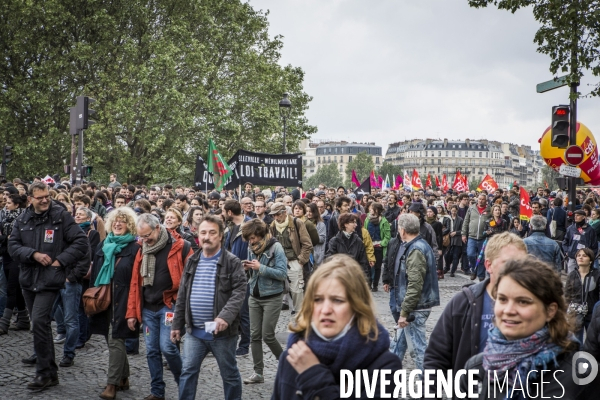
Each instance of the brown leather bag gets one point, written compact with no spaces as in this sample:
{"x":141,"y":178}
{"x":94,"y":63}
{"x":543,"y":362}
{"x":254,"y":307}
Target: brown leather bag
{"x":98,"y":299}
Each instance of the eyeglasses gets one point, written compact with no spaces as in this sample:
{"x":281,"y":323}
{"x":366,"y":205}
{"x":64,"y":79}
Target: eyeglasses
{"x":40,"y":198}
{"x":146,"y":236}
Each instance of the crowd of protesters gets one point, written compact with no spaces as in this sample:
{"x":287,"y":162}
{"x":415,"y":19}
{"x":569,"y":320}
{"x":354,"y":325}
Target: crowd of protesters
{"x":214,"y":270}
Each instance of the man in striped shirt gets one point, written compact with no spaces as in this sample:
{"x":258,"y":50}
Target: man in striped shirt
{"x":211,"y":293}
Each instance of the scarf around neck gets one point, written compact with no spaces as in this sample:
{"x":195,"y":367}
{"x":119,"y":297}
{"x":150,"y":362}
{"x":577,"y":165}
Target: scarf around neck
{"x":281,"y":226}
{"x":374,"y":219}
{"x":522,"y":355}
{"x":259,"y":247}
{"x":149,"y":256}
{"x":352,"y":351}
{"x":111,"y":247}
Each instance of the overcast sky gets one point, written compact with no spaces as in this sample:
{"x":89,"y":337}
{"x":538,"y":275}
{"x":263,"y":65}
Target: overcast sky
{"x":389,"y":70}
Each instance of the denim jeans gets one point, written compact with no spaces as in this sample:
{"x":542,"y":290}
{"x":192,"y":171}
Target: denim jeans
{"x":67,"y":316}
{"x":464,"y":260}
{"x":158,"y":343}
{"x":393,"y":305}
{"x":245,"y":322}
{"x":194,"y":351}
{"x":3,"y":289}
{"x":417,"y":336}
{"x":473,"y":248}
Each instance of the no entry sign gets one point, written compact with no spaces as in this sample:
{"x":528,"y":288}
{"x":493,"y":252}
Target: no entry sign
{"x":574,"y":155}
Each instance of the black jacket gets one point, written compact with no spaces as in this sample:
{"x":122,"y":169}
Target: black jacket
{"x":230,"y":292}
{"x":574,"y":290}
{"x":121,"y":281}
{"x":354,"y":247}
{"x":457,"y":330}
{"x":56,"y":234}
{"x":391,"y":214}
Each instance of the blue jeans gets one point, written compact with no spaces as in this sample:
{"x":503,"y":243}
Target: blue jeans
{"x":245,"y":322}
{"x":473,"y":248}
{"x":393,"y":305}
{"x":3,"y":289}
{"x":66,"y":315}
{"x":158,"y":343}
{"x":416,"y":333}
{"x":194,"y":351}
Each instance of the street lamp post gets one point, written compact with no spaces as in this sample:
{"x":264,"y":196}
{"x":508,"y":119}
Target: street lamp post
{"x":285,"y":108}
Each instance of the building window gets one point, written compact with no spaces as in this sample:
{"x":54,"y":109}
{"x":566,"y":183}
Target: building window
{"x":425,"y":154}
{"x":439,"y":153}
{"x":318,"y":160}
{"x":474,"y":154}
{"x":329,"y":158}
{"x":335,"y":158}
{"x":304,"y":162}
{"x":480,"y":155}
{"x":439,"y":161}
{"x":349,"y":158}
{"x":342,"y":150}
{"x":342,"y":158}
{"x":452,"y":153}
{"x":466,"y":154}
{"x":376,"y":160}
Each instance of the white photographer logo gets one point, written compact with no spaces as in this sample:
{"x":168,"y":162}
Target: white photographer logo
{"x":581,"y":368}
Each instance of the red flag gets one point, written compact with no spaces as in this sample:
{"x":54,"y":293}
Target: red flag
{"x":488,"y":183}
{"x":465,"y":183}
{"x":460,"y":184}
{"x":355,"y":179}
{"x":428,"y":181}
{"x":416,"y":181}
{"x":444,"y":183}
{"x":525,"y":209}
{"x":437,"y":182}
{"x":372,"y":180}
{"x":546,"y":183}
{"x":398,"y":182}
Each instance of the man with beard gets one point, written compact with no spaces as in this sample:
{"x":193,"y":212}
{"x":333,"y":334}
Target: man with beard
{"x":391,"y":213}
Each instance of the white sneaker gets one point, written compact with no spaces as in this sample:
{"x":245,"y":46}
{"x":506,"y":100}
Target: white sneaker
{"x":60,"y":338}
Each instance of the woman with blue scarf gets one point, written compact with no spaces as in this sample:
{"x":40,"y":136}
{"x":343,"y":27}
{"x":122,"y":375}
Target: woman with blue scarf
{"x":531,"y":334}
{"x":336,"y":329}
{"x":113,"y":265}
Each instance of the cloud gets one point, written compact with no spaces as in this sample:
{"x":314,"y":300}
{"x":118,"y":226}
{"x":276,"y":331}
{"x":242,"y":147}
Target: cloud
{"x":390,"y":70}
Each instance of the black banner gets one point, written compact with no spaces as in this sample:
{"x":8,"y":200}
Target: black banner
{"x":257,"y":168}
{"x":269,"y":169}
{"x":363,"y":189}
{"x":204,"y":179}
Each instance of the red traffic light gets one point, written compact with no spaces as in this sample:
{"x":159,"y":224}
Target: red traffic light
{"x":561,"y":111}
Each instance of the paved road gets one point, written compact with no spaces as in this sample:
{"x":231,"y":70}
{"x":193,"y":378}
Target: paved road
{"x":87,"y":378}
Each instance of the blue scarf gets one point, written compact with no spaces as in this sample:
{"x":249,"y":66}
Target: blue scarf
{"x":112,"y":246}
{"x":85,"y":225}
{"x":352,"y":351}
{"x":522,"y":355}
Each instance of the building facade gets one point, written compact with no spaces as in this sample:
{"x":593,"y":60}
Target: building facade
{"x":505,"y":162}
{"x":321,"y":152}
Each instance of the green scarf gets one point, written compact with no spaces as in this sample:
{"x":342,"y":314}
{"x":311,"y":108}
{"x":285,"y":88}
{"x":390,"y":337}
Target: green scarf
{"x":112,"y":246}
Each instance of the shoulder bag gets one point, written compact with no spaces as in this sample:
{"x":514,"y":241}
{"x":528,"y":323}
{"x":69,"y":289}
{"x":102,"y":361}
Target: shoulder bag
{"x":97,"y":299}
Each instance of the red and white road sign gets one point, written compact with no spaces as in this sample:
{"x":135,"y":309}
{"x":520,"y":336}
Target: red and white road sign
{"x":574,"y":155}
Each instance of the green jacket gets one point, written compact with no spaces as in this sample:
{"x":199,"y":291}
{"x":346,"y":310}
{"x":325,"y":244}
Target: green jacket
{"x":474,"y":223}
{"x":384,"y":231}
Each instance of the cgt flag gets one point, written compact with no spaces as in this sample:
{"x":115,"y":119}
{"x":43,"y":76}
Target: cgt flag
{"x":525,"y":208}
{"x":444,"y":183}
{"x":363,"y":189}
{"x":488,"y":183}
{"x":416,"y":181}
{"x":428,"y":181}
{"x":437,"y":182}
{"x":459,"y":183}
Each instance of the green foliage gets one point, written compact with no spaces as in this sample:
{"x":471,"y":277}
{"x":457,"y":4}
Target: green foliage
{"x":363,"y":164}
{"x":390,"y":170}
{"x":549,"y":175}
{"x":328,"y":174}
{"x":167,"y":76}
{"x":569,"y":35}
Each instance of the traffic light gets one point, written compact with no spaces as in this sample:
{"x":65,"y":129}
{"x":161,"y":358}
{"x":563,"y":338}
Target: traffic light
{"x":84,"y":112}
{"x":86,"y":170}
{"x":560,"y":126}
{"x":7,"y":154}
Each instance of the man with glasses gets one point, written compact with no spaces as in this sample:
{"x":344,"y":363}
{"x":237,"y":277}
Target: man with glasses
{"x":261,"y":209}
{"x":248,"y":207}
{"x":53,"y":252}
{"x":156,"y":275}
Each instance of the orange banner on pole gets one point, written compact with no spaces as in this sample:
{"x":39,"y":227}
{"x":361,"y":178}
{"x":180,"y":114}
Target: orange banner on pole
{"x":488,"y":183}
{"x":525,"y":209}
{"x":416,"y":181}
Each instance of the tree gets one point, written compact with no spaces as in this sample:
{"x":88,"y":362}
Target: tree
{"x":328,"y":175}
{"x":166,"y":77}
{"x":569,"y":33}
{"x":363,"y":164}
{"x":549,"y":175}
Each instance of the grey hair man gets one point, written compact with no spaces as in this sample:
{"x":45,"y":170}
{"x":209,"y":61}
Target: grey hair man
{"x":541,"y":246}
{"x":415,"y":285}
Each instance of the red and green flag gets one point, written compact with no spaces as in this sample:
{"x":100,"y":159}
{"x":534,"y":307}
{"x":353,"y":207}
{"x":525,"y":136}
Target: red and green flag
{"x":217,"y":166}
